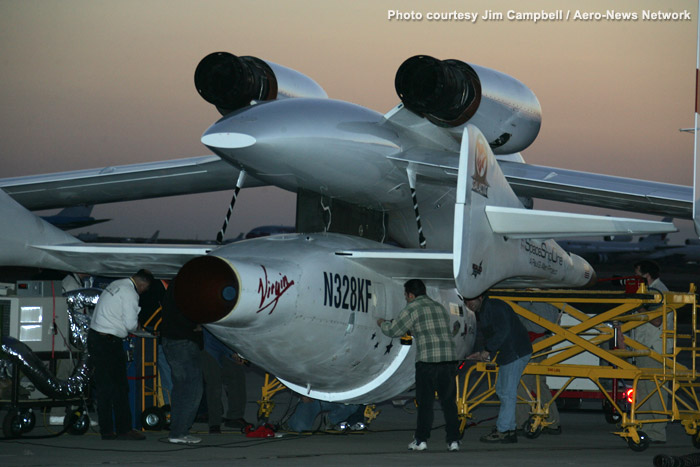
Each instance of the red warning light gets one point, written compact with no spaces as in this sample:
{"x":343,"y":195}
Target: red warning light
{"x":629,"y":395}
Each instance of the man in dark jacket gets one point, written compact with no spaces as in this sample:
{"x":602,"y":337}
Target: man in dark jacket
{"x":182,"y":343}
{"x":501,"y":331}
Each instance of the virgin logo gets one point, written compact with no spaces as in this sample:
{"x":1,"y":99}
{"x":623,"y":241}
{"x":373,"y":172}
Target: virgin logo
{"x":270,"y":292}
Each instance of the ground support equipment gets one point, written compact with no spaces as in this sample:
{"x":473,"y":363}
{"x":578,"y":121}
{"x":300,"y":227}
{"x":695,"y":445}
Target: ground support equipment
{"x":674,"y":382}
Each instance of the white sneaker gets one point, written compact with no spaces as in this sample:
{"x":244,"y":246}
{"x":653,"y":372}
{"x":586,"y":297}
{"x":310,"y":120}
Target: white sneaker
{"x":359,"y":426}
{"x":187,"y":439}
{"x":453,"y":446}
{"x":342,"y":426}
{"x":416,"y":446}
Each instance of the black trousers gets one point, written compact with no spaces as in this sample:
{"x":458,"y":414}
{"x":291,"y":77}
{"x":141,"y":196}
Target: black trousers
{"x":440,"y":378}
{"x":108,"y":358}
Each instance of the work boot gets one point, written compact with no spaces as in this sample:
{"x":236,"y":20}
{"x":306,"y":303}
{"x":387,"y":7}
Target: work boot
{"x":236,"y":423}
{"x":132,"y":435}
{"x":548,"y":430}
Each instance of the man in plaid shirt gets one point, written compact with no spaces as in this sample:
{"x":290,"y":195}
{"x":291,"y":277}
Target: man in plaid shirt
{"x":429,"y":324}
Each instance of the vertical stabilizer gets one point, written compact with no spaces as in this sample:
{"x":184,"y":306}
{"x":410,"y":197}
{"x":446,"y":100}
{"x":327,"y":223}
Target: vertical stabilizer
{"x":482,"y":258}
{"x":479,"y":183}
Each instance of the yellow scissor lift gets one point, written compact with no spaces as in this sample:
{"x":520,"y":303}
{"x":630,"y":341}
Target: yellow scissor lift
{"x":592,"y":334}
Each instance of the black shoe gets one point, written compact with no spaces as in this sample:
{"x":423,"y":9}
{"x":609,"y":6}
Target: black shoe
{"x":132,"y":435}
{"x":551,"y":431}
{"x":215,"y":429}
{"x":108,"y":436}
{"x":236,"y":423}
{"x":500,"y":437}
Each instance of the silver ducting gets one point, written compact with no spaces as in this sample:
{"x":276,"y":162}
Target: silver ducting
{"x":34,"y":368}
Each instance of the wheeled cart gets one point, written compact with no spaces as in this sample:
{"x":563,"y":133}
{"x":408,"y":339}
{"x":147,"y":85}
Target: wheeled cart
{"x":592,"y":333}
{"x":20,"y":414}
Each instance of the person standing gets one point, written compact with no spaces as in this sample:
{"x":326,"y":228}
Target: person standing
{"x":115,"y":316}
{"x":429,"y":324}
{"x":502,"y":332}
{"x":223,"y":368}
{"x":182,"y":343}
{"x":650,"y":335}
{"x":537,"y":333}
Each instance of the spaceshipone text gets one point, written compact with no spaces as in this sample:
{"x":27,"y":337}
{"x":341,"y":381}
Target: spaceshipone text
{"x":346,"y":292}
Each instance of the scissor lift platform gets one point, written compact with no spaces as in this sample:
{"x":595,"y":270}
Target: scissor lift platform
{"x":594,"y":333}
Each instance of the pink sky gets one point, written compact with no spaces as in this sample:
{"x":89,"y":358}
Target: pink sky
{"x":91,"y":84}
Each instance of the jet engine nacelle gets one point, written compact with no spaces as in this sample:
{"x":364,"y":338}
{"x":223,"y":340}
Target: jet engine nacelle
{"x":230,"y":82}
{"x":450,"y":93}
{"x":291,"y":305}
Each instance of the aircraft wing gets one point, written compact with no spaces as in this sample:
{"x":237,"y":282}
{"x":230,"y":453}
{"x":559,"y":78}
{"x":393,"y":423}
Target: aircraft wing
{"x":569,"y":186}
{"x":605,"y":191}
{"x":124,"y":183}
{"x":123,"y":260}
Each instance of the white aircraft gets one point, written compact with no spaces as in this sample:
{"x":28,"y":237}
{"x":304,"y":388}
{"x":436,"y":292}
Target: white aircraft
{"x":423,"y":176}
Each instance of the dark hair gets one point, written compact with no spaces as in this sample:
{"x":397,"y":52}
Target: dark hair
{"x":415,"y":287}
{"x":468,"y":299}
{"x":648,"y":267}
{"x":144,"y":275}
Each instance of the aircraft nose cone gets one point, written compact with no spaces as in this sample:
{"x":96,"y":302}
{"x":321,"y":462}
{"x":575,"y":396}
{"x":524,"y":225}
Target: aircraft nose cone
{"x":227,"y":140}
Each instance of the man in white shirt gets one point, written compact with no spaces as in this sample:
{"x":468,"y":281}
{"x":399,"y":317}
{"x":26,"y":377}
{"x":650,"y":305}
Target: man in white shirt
{"x":115,"y":316}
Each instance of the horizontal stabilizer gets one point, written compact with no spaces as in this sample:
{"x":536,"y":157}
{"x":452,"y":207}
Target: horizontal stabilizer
{"x":528,"y":223}
{"x":433,"y":267}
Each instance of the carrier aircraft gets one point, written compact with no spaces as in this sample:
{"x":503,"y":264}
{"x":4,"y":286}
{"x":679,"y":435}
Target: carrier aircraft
{"x":436,"y":189}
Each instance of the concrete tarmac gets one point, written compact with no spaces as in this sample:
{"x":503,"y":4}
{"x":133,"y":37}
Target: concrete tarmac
{"x":587,"y":440}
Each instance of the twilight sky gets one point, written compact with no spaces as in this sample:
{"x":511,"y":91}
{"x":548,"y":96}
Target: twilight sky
{"x":90,"y":83}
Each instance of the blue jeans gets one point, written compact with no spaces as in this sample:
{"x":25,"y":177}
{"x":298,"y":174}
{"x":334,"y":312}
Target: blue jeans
{"x":166,"y":381}
{"x":306,"y":412}
{"x":507,"y":392}
{"x":184,"y":359}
